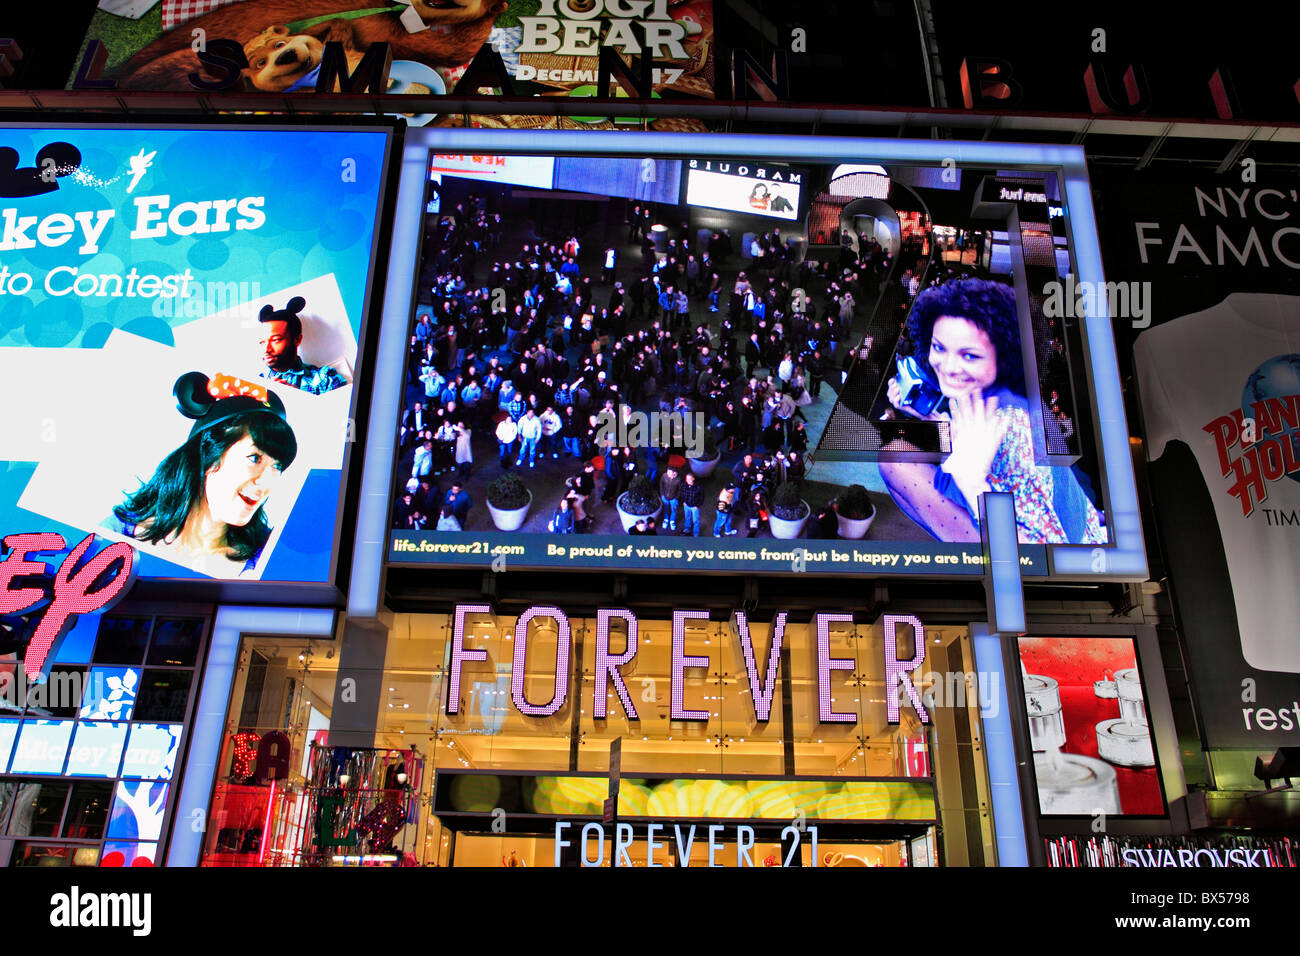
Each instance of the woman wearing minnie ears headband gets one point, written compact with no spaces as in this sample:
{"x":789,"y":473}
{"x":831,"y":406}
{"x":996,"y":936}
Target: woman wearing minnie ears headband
{"x":205,"y":501}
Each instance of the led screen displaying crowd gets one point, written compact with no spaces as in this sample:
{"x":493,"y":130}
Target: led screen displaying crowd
{"x":528,"y":331}
{"x":547,"y":327}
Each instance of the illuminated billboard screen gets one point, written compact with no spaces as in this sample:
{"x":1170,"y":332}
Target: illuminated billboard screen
{"x":646,"y":179}
{"x":1089,"y":727}
{"x":520,"y":170}
{"x":182,"y":325}
{"x":597,"y":379}
{"x":546,"y":47}
{"x":756,"y":189}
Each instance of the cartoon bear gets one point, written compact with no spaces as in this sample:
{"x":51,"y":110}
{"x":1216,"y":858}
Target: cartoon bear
{"x":457,"y":30}
{"x":279,"y":61}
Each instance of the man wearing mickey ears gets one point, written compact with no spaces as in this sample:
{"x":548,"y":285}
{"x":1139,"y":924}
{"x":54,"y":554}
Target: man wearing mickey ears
{"x":280,"y":340}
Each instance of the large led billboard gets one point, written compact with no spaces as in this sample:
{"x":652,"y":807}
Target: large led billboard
{"x":181,"y":329}
{"x":595,"y":379}
{"x":299,"y":47}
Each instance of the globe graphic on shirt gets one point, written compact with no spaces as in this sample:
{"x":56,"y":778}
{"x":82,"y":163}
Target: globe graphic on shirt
{"x":1276,"y":378}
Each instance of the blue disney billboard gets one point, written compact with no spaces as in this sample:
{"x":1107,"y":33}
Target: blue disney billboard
{"x":182,"y":318}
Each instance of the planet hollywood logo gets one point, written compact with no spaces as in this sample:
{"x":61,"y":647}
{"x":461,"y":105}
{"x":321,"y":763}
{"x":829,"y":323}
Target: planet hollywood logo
{"x":1260,"y":442}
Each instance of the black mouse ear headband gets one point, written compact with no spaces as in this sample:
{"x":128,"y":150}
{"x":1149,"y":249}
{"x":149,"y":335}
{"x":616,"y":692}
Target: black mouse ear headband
{"x":212,"y":401}
{"x":270,"y":314}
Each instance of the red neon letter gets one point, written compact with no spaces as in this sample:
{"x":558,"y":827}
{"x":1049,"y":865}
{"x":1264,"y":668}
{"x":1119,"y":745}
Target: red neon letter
{"x":13,"y":600}
{"x":986,"y":83}
{"x":72,"y":595}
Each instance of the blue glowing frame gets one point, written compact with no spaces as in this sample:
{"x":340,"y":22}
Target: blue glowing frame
{"x":1123,"y":560}
{"x":1002,"y":573}
{"x":1000,"y":750}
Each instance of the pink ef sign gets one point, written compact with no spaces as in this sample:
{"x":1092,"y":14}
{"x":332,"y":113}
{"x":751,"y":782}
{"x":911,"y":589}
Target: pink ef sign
{"x":762,"y":676}
{"x":72,"y":593}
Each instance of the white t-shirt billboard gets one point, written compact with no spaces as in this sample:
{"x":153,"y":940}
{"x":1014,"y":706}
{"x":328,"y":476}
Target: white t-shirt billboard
{"x":1227,"y":382}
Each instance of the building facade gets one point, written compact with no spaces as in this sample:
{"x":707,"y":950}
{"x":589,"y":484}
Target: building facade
{"x":599,"y":496}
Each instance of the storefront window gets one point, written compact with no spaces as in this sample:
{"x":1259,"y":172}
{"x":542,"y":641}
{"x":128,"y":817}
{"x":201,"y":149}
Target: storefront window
{"x":494,"y":757}
{"x":654,"y":743}
{"x":281,"y":704}
{"x":489,"y":731}
{"x":731,"y":744}
{"x":488,"y":728}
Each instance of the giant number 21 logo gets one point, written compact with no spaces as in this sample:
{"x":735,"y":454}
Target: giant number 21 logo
{"x":72,"y":587}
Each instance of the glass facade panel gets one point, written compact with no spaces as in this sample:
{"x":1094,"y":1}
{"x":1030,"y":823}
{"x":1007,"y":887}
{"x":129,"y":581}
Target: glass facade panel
{"x":53,"y":854}
{"x":129,"y":854}
{"x":176,"y":642}
{"x":138,"y":810}
{"x":122,"y":640}
{"x":110,"y":693}
{"x":8,"y":734}
{"x":164,"y":695}
{"x":96,"y":749}
{"x":103,"y":693}
{"x":151,"y":751}
{"x":42,"y":746}
{"x":57,"y":695}
{"x":87,"y":811}
{"x":37,"y":808}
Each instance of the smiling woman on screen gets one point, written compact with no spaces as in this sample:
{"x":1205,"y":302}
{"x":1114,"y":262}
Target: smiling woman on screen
{"x":966,"y":368}
{"x":205,"y":501}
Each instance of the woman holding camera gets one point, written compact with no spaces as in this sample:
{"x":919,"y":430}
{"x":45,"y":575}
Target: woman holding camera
{"x":966,"y":344}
